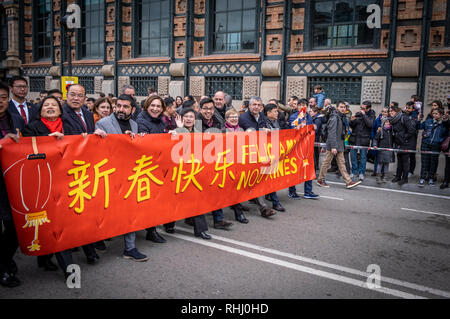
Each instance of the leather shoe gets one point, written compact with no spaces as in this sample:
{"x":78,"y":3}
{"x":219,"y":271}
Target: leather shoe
{"x":203,"y":235}
{"x":8,"y":280}
{"x":267,"y":212}
{"x":395,"y":180}
{"x":223,"y":225}
{"x":443,"y":185}
{"x":279,"y":208}
{"x":155,"y":237}
{"x":241,"y":218}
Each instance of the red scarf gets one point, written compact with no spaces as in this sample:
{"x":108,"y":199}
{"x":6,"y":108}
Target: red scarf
{"x":53,"y":126}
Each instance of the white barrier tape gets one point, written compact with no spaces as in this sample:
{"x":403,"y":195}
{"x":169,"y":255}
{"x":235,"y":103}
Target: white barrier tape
{"x":386,"y":149}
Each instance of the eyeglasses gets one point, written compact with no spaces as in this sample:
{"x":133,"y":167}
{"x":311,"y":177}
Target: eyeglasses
{"x":74,"y":95}
{"x":21,"y":87}
{"x":233,"y":117}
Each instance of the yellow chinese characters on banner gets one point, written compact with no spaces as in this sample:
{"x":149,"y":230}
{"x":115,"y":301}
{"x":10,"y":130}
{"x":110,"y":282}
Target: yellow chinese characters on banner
{"x":100,"y":188}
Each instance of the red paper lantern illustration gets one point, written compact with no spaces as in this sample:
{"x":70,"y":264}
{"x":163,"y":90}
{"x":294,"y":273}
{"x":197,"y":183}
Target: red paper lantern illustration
{"x":33,"y":180}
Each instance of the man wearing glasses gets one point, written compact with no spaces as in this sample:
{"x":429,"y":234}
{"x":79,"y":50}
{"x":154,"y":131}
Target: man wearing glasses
{"x":76,"y":113}
{"x":18,"y":104}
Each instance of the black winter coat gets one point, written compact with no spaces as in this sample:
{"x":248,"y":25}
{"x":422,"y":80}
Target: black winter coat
{"x":74,"y":121}
{"x":362,"y":128}
{"x":15,"y":122}
{"x":384,"y":139}
{"x":37,"y":128}
{"x":150,"y":125}
{"x":247,"y":120}
{"x":404,"y":132}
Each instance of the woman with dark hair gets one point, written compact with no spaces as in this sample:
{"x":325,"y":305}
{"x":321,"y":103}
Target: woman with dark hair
{"x":403,"y":131}
{"x":48,"y":122}
{"x":150,"y":121}
{"x":178,"y":101}
{"x":103,"y":107}
{"x":170,"y":117}
{"x":188,"y":117}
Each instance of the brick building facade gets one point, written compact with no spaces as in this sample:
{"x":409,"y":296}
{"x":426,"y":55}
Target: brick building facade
{"x":269,"y":48}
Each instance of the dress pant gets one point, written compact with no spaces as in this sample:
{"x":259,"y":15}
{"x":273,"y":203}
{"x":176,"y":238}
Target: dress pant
{"x":8,"y":243}
{"x":402,"y":166}
{"x":316,"y":157}
{"x":412,"y":162}
{"x":200,"y":224}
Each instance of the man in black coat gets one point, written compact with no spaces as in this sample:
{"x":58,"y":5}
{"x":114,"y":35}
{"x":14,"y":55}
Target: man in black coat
{"x":404,"y":131}
{"x":76,"y":113}
{"x":361,"y":124}
{"x":18,"y":104}
{"x":9,"y":123}
{"x":81,"y":120}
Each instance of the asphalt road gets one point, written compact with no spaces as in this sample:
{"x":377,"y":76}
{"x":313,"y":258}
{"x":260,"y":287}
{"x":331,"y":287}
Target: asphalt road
{"x":317,"y":249}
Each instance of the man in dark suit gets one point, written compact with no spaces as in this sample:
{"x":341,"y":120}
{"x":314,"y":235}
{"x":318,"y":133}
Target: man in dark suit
{"x":18,"y":104}
{"x":9,"y":123}
{"x":76,"y":113}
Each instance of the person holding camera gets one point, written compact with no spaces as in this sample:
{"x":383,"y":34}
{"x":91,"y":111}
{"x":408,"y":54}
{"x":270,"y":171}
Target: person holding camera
{"x":361,"y":124}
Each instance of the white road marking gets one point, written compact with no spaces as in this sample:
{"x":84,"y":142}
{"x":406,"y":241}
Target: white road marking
{"x":393,"y":190}
{"x":393,"y":281}
{"x":327,"y":197}
{"x":424,"y":212}
{"x":312,"y":271}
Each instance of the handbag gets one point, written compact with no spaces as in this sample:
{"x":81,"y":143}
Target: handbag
{"x":445,"y":144}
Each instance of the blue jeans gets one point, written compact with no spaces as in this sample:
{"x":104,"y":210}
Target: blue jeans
{"x":361,"y":167}
{"x":308,"y":188}
{"x":129,"y":239}
{"x":217,"y":215}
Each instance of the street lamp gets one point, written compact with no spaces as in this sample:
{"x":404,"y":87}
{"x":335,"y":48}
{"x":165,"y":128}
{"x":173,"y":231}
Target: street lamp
{"x":70,"y":22}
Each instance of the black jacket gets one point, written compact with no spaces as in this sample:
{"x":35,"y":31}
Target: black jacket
{"x":150,"y":125}
{"x":215,"y":125}
{"x":32,"y":111}
{"x":38,"y":128}
{"x":74,"y":121}
{"x":362,"y":128}
{"x":15,"y":122}
{"x":247,"y":120}
{"x":404,"y":131}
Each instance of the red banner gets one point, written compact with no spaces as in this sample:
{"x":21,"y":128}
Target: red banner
{"x":80,"y":190}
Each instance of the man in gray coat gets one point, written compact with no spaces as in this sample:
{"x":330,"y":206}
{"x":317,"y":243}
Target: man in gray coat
{"x":120,"y":122}
{"x":336,"y":147}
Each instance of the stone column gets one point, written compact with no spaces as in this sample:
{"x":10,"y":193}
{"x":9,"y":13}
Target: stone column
{"x":12,"y":62}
